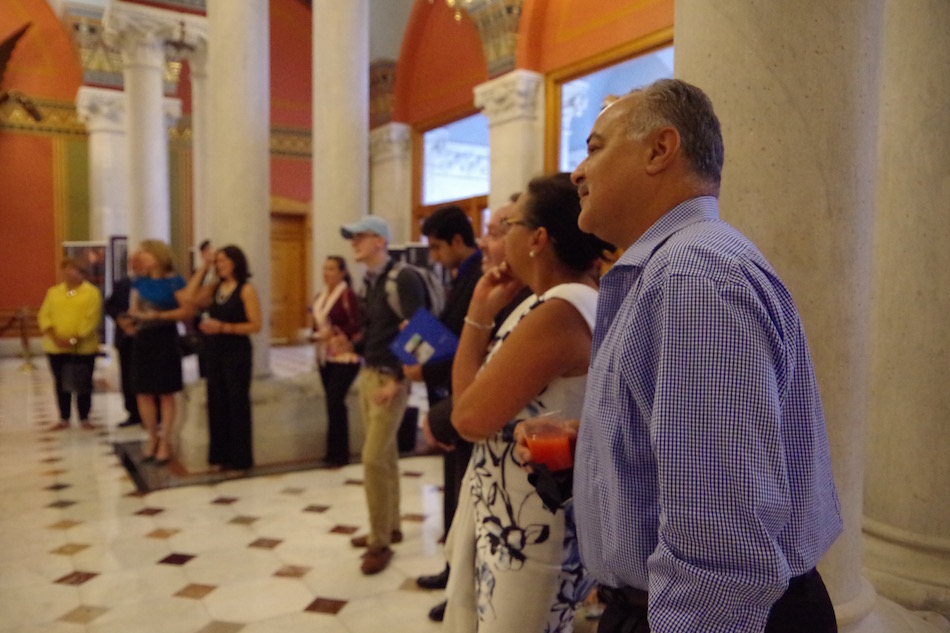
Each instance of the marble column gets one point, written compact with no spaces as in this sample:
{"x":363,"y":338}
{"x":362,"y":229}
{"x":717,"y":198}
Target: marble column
{"x":103,"y":112}
{"x":200,"y":110}
{"x":796,"y":90}
{"x":390,"y":151}
{"x":140,"y":36}
{"x":514,"y":105}
{"x":340,"y":123}
{"x":907,"y":494}
{"x":238,"y":165}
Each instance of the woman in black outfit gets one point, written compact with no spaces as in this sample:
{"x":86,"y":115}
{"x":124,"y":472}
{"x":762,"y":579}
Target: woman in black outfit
{"x":232,"y":314}
{"x":336,"y":323}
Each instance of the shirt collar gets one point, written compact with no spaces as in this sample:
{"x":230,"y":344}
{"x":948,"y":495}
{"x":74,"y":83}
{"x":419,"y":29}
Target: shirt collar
{"x":691,"y":211}
{"x":475,"y":259}
{"x":372,"y":274}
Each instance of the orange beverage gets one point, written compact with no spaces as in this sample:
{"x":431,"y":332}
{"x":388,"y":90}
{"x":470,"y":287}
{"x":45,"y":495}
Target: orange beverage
{"x":550,"y":448}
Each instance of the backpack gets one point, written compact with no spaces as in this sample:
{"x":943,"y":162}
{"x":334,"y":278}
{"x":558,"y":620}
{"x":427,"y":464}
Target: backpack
{"x":435,"y":290}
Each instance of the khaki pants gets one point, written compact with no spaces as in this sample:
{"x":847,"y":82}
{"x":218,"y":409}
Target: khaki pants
{"x":381,"y":454}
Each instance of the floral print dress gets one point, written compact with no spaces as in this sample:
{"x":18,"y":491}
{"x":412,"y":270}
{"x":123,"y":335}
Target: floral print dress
{"x":527,"y":570}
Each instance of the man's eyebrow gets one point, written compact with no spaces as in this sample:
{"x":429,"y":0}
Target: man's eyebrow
{"x":594,"y":136}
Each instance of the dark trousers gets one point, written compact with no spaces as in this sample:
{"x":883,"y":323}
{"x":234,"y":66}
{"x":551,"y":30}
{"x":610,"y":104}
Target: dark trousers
{"x":805,"y":607}
{"x":337,"y":378}
{"x":124,"y":350}
{"x":230,"y":436}
{"x":454,"y":464}
{"x":64,"y":399}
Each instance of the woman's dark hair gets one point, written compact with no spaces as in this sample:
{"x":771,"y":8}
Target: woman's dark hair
{"x":341,"y":263}
{"x":236,"y":255}
{"x":553,"y":203}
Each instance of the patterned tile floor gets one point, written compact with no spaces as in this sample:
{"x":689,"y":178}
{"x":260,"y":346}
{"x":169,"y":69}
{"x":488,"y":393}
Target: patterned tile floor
{"x":81,"y":550}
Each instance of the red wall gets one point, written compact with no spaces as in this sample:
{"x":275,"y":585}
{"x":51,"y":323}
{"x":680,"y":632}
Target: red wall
{"x":440,"y":63}
{"x":44,"y":65}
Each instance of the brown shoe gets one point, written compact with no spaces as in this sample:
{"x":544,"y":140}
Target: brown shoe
{"x":363,"y":541}
{"x":375,"y":560}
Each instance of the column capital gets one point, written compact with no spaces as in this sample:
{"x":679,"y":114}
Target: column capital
{"x":145,"y":34}
{"x":389,"y":142}
{"x":101,"y":109}
{"x":512,"y":96}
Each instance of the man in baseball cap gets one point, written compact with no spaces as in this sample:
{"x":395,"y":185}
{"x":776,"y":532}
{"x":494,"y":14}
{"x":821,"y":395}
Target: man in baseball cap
{"x":383,"y":389}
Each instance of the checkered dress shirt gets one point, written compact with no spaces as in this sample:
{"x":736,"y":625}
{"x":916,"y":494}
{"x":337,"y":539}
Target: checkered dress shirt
{"x":703,"y":472}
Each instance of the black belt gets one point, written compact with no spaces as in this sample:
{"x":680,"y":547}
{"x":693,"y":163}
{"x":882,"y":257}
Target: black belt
{"x":633,"y":597}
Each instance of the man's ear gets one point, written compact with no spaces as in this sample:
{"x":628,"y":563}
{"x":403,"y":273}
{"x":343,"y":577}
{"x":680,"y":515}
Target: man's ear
{"x":664,"y":148}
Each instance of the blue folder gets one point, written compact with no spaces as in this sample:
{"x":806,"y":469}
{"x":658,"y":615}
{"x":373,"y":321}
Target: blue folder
{"x":424,"y":339}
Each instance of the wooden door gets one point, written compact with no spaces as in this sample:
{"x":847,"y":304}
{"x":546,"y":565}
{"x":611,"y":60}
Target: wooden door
{"x":288,"y":265}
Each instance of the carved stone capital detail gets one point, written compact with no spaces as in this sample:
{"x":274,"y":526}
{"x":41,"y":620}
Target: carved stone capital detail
{"x":389,"y":142}
{"x":145,"y":35}
{"x":101,"y":109}
{"x":514,"y":95}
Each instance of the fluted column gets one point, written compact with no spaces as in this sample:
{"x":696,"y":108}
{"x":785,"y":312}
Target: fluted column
{"x":390,"y":150}
{"x":514,"y":105}
{"x":103,"y":112}
{"x":340,"y":122}
{"x":239,"y":142}
{"x":140,"y":35}
{"x":907,"y":495}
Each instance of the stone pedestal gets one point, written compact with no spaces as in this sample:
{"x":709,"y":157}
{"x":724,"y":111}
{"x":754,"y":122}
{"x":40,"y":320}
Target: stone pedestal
{"x":514,"y":105}
{"x":289,"y":422}
{"x":390,"y":150}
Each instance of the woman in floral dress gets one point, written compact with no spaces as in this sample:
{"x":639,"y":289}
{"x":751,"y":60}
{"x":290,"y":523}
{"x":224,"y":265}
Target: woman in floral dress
{"x":515,"y":564}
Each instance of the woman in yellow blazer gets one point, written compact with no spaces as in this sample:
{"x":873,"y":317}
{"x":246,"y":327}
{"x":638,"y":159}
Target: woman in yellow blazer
{"x":69,"y":320}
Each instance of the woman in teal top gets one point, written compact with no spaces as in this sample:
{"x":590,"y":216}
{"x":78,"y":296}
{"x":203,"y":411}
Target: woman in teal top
{"x":156,"y":363}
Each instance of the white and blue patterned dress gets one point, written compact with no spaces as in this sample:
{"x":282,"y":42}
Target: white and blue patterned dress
{"x":514,"y":563}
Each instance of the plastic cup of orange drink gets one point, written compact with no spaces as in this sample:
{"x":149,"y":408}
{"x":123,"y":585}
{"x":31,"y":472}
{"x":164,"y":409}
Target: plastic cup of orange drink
{"x":550,"y":443}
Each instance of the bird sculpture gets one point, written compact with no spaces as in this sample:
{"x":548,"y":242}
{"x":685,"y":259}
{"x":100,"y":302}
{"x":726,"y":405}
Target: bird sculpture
{"x":6,"y":50}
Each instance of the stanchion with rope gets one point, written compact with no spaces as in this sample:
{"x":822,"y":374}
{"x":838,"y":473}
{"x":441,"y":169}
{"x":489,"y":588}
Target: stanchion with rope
{"x":21,"y":317}
{"x":23,"y":314}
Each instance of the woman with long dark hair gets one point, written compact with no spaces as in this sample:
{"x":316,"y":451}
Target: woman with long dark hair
{"x":336,"y":324}
{"x":232,"y":314}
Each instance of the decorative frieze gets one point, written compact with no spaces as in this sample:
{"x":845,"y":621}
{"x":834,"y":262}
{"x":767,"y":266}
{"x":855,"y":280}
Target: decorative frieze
{"x":58,"y":117}
{"x":514,"y":95}
{"x":382,"y":84}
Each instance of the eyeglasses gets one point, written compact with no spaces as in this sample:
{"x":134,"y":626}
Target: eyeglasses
{"x":509,"y":222}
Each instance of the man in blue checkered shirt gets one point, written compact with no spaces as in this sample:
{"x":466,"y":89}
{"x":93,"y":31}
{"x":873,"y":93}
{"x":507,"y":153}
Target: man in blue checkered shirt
{"x":703,"y":488}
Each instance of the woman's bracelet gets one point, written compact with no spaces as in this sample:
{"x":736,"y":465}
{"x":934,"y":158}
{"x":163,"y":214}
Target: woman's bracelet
{"x":478,"y":326}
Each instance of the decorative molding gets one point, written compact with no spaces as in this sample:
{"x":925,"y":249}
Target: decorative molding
{"x":392,"y":141}
{"x":291,"y":142}
{"x":101,"y":109}
{"x":514,"y":95}
{"x":59,"y":118}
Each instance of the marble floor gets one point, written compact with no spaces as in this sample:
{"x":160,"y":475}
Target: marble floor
{"x":82,"y":550}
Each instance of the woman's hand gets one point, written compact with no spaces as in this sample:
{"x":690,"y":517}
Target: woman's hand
{"x":211,"y":326}
{"x":494,"y":290}
{"x":551,"y":426}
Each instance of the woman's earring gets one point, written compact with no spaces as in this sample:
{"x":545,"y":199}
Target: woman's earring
{"x":530,"y":253}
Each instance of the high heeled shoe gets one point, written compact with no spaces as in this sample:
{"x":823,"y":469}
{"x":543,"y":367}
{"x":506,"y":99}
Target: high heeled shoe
{"x":148,"y":453}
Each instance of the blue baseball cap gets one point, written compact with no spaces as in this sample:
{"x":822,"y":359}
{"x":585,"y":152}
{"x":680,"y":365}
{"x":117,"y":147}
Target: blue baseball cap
{"x":370,"y":224}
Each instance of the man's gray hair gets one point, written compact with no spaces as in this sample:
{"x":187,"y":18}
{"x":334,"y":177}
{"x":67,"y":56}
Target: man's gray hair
{"x":683,"y":106}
